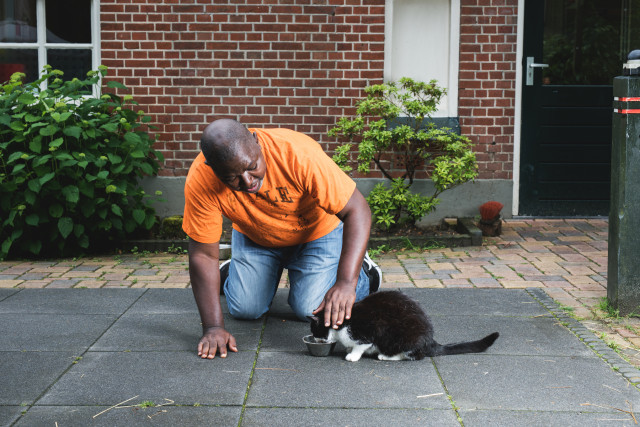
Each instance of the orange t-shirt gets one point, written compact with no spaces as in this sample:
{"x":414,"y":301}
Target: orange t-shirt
{"x":301,"y":192}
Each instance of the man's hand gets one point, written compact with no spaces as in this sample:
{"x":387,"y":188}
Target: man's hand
{"x":216,"y":339}
{"x":337,"y":304}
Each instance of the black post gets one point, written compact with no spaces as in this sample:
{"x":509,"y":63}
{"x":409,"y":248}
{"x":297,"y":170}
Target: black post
{"x":623,"y":279}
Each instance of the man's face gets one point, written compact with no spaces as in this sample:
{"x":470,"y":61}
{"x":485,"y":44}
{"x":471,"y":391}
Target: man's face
{"x":245,"y":172}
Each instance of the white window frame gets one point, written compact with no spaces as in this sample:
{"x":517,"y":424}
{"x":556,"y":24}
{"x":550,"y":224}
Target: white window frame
{"x":41,"y":43}
{"x":451,"y":109}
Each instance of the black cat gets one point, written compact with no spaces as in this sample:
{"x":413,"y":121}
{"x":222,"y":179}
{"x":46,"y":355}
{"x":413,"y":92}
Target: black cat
{"x":393,"y":326}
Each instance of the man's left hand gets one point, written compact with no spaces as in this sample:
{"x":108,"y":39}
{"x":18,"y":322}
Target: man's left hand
{"x":337,"y":304}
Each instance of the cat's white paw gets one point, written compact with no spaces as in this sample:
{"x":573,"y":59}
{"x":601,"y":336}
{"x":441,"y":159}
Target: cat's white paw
{"x":351,"y":357}
{"x":396,"y":357}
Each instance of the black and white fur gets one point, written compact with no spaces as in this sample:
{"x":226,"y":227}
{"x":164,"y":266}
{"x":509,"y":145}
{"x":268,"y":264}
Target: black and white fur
{"x":393,"y":326}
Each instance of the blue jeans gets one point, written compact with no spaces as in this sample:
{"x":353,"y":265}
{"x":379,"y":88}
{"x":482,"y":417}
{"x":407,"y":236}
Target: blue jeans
{"x":254,"y":274}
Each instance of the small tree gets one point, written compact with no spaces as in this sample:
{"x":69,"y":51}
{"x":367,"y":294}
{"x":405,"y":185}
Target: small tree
{"x":69,"y":166}
{"x":392,"y":129}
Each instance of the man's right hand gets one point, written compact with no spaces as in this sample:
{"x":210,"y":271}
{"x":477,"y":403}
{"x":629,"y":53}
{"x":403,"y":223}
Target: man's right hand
{"x":216,"y":340}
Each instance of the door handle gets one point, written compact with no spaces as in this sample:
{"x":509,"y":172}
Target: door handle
{"x":530,"y":68}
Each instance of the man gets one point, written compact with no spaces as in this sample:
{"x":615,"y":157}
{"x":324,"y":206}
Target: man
{"x":291,"y":207}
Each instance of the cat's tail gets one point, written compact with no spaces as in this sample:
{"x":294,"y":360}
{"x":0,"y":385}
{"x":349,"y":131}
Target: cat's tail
{"x":466,"y":347}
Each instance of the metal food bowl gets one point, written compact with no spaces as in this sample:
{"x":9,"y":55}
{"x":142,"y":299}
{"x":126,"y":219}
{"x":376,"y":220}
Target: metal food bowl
{"x":318,"y":347}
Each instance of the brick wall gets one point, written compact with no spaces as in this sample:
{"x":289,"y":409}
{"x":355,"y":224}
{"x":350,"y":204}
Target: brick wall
{"x":296,"y":64}
{"x":486,"y":102}
{"x":293,"y":63}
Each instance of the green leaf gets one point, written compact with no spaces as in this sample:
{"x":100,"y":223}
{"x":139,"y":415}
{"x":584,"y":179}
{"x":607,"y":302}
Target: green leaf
{"x":17,"y":126}
{"x":35,"y":246}
{"x":133,"y":138}
{"x":137,"y":154}
{"x":34,"y":185}
{"x":110,"y":127}
{"x":18,"y":168}
{"x":103,"y":174}
{"x":30,"y":197}
{"x":41,"y":160}
{"x":35,"y":145}
{"x":5,"y":119}
{"x":138,"y":215}
{"x":56,"y":143}
{"x":83,"y":241}
{"x":46,"y":178}
{"x":116,"y":209}
{"x":71,"y":193}
{"x":26,"y":98}
{"x":78,"y":230}
{"x":73,"y":131}
{"x":65,"y":226}
{"x":56,"y":210}
{"x":115,"y":85}
{"x":32,"y":219}
{"x":15,"y":156}
{"x":49,"y":130}
{"x":114,"y":158}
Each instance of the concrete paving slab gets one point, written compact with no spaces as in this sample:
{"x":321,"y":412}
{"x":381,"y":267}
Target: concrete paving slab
{"x":70,"y":301}
{"x":518,"y":336}
{"x":171,"y":332}
{"x":545,"y":419}
{"x":349,"y":417}
{"x":284,"y":335}
{"x":534,"y":383}
{"x":476,"y":302}
{"x":108,"y":378}
{"x":25,"y":375}
{"x":166,"y":301}
{"x":170,"y":416}
{"x":9,"y":414}
{"x":6,"y":293}
{"x":44,"y":332}
{"x":296,"y":379}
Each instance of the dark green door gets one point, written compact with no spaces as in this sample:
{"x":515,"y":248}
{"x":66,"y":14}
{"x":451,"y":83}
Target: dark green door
{"x":572,"y":51}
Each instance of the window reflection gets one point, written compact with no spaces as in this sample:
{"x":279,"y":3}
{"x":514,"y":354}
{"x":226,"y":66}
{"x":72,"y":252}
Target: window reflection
{"x":73,"y":62}
{"x":586,"y":41}
{"x":18,"y":21}
{"x":18,"y":60}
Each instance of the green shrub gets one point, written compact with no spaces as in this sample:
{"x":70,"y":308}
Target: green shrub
{"x":69,"y":166}
{"x":392,"y":129}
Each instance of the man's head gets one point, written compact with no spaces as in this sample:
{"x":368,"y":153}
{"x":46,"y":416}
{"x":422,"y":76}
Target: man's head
{"x":234,"y":155}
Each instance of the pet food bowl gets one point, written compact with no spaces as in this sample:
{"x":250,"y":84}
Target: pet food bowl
{"x":318,"y":347}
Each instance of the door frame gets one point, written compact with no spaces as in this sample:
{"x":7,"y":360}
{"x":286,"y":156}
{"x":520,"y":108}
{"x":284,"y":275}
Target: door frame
{"x":517,"y":126}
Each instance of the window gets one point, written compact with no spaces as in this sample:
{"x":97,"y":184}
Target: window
{"x":62,"y":33}
{"x":422,"y":42}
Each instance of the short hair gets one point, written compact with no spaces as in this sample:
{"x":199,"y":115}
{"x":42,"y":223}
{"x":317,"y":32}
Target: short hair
{"x":222,"y":139}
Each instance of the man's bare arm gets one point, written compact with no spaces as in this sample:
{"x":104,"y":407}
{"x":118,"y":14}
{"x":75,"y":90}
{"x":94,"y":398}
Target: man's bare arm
{"x":356,"y":216}
{"x":205,"y":283}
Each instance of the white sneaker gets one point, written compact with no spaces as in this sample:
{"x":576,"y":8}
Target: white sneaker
{"x":373,"y":271}
{"x":224,"y":273}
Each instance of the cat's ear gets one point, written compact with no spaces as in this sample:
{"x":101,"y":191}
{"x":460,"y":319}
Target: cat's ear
{"x":313,"y":319}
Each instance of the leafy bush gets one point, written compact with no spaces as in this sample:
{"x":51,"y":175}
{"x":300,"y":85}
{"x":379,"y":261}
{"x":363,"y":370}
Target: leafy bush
{"x":391,"y":131}
{"x":69,"y":166}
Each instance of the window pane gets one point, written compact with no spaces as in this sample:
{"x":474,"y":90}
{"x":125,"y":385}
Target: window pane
{"x":587,"y":41}
{"x":18,"y":60}
{"x":18,"y":21}
{"x":68,"y":21}
{"x":73,"y":62}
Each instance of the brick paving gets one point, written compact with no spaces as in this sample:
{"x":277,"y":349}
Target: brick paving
{"x":566,"y":257}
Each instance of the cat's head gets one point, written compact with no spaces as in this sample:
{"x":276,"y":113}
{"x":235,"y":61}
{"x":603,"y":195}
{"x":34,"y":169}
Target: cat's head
{"x":318,"y":330}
